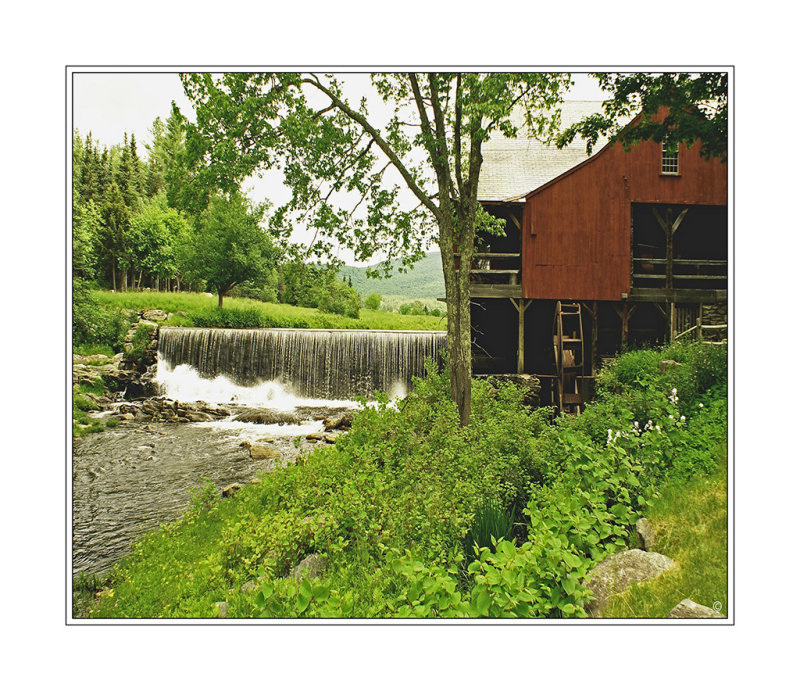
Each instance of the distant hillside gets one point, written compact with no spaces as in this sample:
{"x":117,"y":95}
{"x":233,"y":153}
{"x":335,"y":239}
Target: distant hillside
{"x":425,"y":280}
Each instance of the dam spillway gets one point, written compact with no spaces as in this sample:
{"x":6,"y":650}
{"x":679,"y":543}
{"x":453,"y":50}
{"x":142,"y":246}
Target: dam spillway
{"x":314,"y":363}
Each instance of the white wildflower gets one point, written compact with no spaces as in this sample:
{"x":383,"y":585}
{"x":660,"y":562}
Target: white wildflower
{"x":683,"y":418}
{"x":658,"y":429}
{"x":700,"y":405}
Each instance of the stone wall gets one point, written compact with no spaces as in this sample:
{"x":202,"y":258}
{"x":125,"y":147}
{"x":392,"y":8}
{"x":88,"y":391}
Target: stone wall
{"x":715,"y":314}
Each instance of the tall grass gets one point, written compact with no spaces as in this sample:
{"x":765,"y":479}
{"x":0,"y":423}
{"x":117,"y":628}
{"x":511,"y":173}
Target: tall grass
{"x":690,"y":521}
{"x":200,"y":309}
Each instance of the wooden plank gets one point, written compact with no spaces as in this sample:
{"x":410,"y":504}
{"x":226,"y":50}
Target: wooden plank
{"x":493,"y":255}
{"x":489,"y":290}
{"x":494,"y":271}
{"x":678,"y":295}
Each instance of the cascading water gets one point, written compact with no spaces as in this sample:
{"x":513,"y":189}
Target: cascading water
{"x":312,"y":363}
{"x":132,"y":478}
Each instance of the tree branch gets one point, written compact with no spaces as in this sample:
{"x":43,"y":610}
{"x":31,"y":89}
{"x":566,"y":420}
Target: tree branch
{"x":379,"y":140}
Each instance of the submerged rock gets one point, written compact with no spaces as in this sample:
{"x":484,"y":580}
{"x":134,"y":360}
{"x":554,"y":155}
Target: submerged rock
{"x":258,"y":452}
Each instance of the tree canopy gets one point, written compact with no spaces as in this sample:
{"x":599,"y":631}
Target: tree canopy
{"x":229,"y":247}
{"x":350,"y":170}
{"x":697,"y":109}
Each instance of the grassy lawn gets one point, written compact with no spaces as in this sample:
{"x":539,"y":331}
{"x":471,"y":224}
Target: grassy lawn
{"x":690,"y":521}
{"x":200,"y":310}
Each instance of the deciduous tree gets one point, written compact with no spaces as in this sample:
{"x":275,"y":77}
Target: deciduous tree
{"x":347,"y":168}
{"x":697,"y":110}
{"x":229,"y":245}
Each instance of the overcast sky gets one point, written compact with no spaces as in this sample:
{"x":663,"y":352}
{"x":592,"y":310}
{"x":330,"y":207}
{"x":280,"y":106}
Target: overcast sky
{"x":108,"y":104}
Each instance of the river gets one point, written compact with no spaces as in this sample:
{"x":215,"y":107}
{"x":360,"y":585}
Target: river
{"x":129,"y":480}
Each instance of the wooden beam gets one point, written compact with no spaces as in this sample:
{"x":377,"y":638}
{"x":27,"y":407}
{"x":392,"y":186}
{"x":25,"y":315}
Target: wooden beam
{"x":520,"y":306}
{"x":490,"y":290}
{"x":678,"y":295}
{"x":514,"y":218}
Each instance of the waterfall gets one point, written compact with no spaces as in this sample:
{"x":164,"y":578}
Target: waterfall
{"x":312,"y":363}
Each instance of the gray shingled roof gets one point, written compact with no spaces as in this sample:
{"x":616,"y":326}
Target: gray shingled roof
{"x":514,"y":167}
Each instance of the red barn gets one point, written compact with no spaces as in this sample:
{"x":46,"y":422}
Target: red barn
{"x":601,"y":252}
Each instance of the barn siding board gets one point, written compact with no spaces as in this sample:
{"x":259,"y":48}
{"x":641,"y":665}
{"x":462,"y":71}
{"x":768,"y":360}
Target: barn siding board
{"x":576,"y":239}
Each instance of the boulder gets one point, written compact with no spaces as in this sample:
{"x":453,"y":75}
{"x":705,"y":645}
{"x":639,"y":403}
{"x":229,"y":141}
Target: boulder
{"x":197,"y":416}
{"x":155,"y":315}
{"x":645,"y":534}
{"x":665,"y":365}
{"x":258,"y":452}
{"x":221,"y":609}
{"x":344,"y":421}
{"x":267,"y":417}
{"x":330,"y":438}
{"x":314,"y":436}
{"x":688,"y":609}
{"x":230,"y":490}
{"x":311,"y":567}
{"x":619,"y":571}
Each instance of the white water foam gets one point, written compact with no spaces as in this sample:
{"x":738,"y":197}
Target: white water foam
{"x":253,"y":432}
{"x":184,"y":383}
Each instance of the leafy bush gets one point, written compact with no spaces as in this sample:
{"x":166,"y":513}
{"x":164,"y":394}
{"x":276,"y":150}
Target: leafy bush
{"x":391,"y":504}
{"x":94,"y":324}
{"x":373,"y":301}
{"x":339,"y":298}
{"x":491,"y":523}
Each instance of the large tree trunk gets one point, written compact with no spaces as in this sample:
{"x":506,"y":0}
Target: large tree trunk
{"x":221,"y":295}
{"x":459,"y":326}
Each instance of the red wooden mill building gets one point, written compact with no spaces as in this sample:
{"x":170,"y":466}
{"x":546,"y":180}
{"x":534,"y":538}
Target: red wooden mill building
{"x":600,"y":253}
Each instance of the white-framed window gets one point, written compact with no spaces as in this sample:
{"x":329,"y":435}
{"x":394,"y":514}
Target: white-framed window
{"x":669,"y":159}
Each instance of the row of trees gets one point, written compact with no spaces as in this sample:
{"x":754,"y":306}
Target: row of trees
{"x":159,"y":222}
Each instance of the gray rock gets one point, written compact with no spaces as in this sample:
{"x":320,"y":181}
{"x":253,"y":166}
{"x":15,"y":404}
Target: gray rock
{"x":221,"y":610}
{"x":645,"y":534}
{"x":258,"y":452}
{"x":688,"y":609}
{"x":230,"y":490}
{"x":268,"y":417}
{"x":664,"y":365}
{"x":311,"y":567}
{"x":619,"y":571}
{"x":344,"y":421}
{"x":197,"y":416}
{"x":154,"y":315}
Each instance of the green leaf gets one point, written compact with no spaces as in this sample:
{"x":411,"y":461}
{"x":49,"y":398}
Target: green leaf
{"x":483,"y":602}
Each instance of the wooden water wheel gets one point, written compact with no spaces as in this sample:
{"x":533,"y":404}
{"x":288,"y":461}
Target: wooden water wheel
{"x":568,"y":350}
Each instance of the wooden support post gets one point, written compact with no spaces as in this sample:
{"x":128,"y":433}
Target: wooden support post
{"x":625,"y":317}
{"x":625,"y":313}
{"x":520,"y":306}
{"x":672,"y":330}
{"x":669,"y":227}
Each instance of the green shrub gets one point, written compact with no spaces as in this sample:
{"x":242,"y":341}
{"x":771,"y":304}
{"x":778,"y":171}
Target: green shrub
{"x":94,"y":324}
{"x":373,"y":301}
{"x":491,"y":523}
{"x":397,"y":503}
